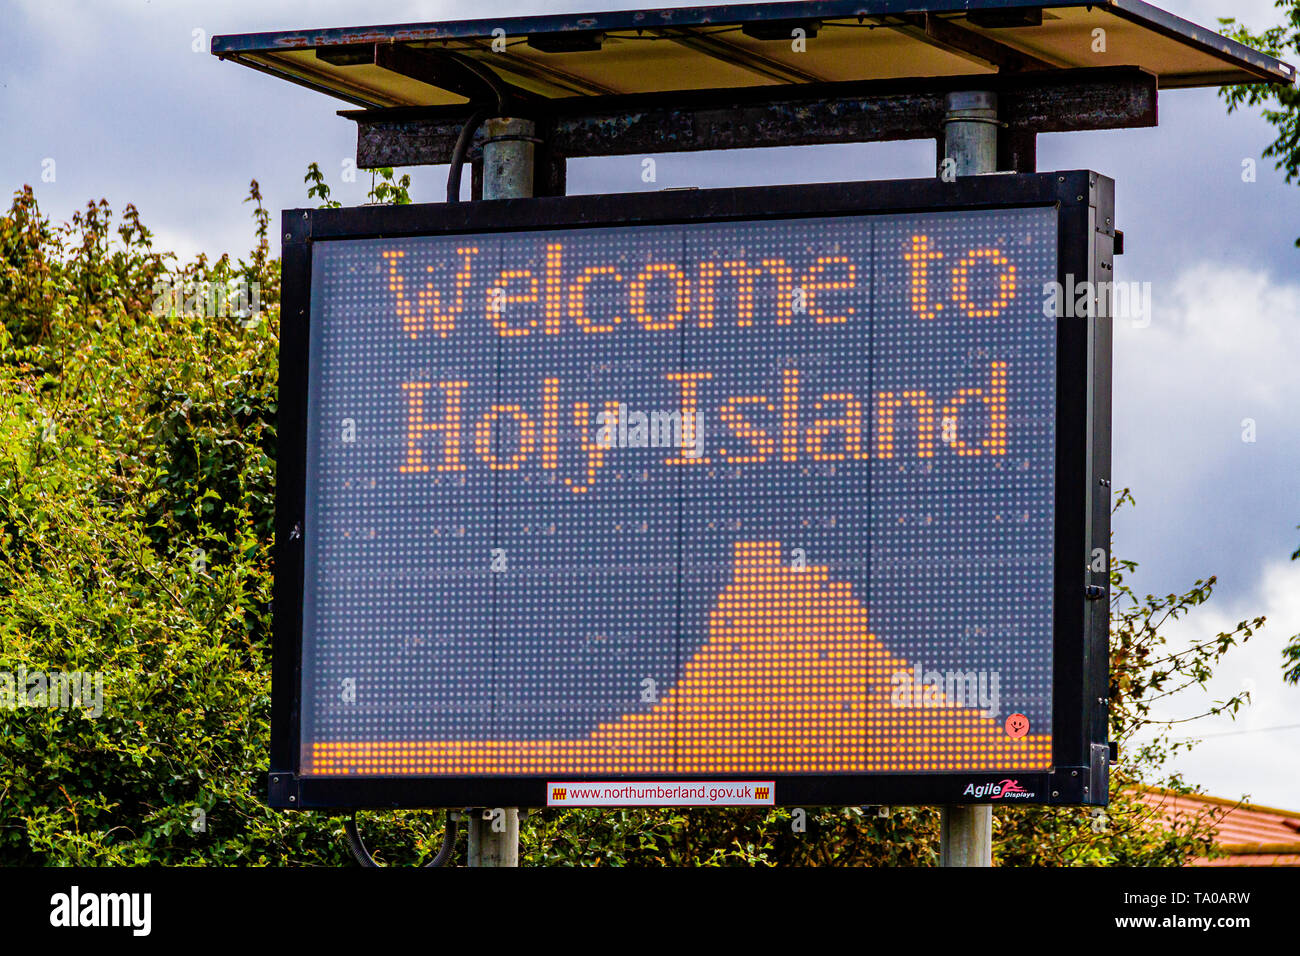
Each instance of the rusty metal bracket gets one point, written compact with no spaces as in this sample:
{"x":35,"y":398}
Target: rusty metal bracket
{"x":787,"y":115}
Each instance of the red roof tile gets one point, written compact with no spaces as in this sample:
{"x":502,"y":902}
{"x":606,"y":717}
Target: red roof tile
{"x":1252,"y":835}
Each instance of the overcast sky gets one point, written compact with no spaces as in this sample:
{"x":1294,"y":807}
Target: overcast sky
{"x":117,"y":96}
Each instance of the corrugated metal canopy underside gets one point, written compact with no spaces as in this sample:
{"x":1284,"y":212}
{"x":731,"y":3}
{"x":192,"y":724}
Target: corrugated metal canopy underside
{"x":709,"y":48}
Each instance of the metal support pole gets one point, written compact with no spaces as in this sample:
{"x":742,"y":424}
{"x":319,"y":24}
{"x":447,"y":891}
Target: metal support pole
{"x":971,"y":142}
{"x":508,"y":162}
{"x":509,"y":150}
{"x":970,"y":126}
{"x":487,"y":845}
{"x":966,"y":836}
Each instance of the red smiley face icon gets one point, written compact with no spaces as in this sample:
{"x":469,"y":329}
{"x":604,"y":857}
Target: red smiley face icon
{"x":1017,"y":725}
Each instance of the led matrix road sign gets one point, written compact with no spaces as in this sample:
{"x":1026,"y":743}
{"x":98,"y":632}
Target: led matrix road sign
{"x":800,"y":485}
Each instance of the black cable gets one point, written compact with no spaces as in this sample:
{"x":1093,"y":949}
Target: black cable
{"x":461,"y":149}
{"x":487,"y":76}
{"x":483,"y":73}
{"x":366,"y":860}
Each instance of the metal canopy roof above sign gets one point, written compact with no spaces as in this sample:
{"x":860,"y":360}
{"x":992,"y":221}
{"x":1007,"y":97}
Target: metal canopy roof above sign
{"x":731,"y":47}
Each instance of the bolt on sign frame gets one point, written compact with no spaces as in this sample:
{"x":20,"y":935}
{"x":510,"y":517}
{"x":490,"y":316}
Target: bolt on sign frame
{"x":403,"y":735}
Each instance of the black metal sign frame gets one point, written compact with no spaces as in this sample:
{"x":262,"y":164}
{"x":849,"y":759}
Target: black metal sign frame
{"x":1084,"y":202}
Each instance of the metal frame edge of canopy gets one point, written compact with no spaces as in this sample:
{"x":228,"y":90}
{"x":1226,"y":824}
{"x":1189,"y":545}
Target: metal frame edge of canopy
{"x":987,"y":32}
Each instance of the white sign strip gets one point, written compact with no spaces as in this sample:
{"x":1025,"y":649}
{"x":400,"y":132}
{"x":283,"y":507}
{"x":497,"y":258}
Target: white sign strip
{"x":662,"y":793}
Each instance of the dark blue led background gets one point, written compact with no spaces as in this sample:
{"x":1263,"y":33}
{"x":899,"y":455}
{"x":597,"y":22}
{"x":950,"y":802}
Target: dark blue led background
{"x":486,"y":604}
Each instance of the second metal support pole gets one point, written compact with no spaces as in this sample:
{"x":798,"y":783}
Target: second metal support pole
{"x":966,"y":836}
{"x":493,"y":839}
{"x":970,"y":140}
{"x":509,"y":152}
{"x":970,"y":132}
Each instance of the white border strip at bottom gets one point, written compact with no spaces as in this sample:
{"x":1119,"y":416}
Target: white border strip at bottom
{"x":661,"y":793}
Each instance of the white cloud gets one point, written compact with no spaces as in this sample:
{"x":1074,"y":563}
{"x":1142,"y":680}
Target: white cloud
{"x":1218,"y":333}
{"x":1220,"y":350}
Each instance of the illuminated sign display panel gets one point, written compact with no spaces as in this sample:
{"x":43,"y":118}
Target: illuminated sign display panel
{"x":689,"y":499}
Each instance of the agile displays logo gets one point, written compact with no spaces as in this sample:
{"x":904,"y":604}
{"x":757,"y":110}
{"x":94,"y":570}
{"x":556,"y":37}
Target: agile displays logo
{"x":1003,"y":790}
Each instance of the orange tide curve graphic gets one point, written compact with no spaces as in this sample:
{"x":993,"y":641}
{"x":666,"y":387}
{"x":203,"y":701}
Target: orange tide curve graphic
{"x":790,"y":680}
